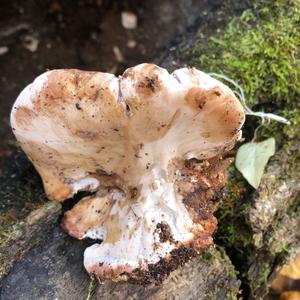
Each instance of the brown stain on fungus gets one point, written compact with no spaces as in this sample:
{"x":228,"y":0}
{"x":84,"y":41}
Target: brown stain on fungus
{"x":65,"y":87}
{"x":24,"y":116}
{"x":148,"y":273}
{"x":55,"y":188}
{"x":209,"y":178}
{"x":195,"y":98}
{"x":221,"y":121}
{"x":89,"y":213}
{"x":158,"y":272}
{"x":86,"y":135}
{"x":108,"y":272}
{"x":147,"y":81}
{"x":164,"y":231}
{"x":199,"y":98}
{"x":113,"y":228}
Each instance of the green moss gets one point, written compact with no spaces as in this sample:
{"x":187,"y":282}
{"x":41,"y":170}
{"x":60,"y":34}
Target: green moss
{"x":206,"y":255}
{"x":232,"y":228}
{"x":261,"y":51}
{"x":234,"y":234}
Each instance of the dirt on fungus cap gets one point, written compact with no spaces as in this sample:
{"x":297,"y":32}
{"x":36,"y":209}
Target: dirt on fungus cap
{"x":151,"y":147}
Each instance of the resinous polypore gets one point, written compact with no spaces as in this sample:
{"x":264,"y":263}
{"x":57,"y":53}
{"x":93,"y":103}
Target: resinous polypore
{"x":150,"y":146}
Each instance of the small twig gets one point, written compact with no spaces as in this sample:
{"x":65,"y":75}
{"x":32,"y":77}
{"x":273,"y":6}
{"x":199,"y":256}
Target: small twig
{"x":255,"y":133}
{"x":92,"y":287}
{"x":248,"y":111}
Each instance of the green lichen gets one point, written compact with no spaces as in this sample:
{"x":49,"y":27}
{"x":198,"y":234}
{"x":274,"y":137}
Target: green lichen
{"x":262,"y":278}
{"x":10,"y":233}
{"x":294,"y":207}
{"x":17,"y":236}
{"x":217,"y":257}
{"x":261,"y":51}
{"x":12,"y":221}
{"x":225,"y":259}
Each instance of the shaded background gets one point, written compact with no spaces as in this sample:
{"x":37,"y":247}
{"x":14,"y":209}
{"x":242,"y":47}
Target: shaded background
{"x":88,"y":34}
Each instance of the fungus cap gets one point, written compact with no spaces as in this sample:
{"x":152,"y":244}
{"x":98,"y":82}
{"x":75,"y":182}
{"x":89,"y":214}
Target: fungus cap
{"x":150,"y":146}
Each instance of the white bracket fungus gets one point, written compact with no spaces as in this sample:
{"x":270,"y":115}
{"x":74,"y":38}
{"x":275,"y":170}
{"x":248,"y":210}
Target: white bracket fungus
{"x":149,"y":144}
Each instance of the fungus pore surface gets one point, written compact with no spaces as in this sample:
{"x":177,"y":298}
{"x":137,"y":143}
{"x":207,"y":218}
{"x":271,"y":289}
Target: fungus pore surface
{"x":150,"y":146}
